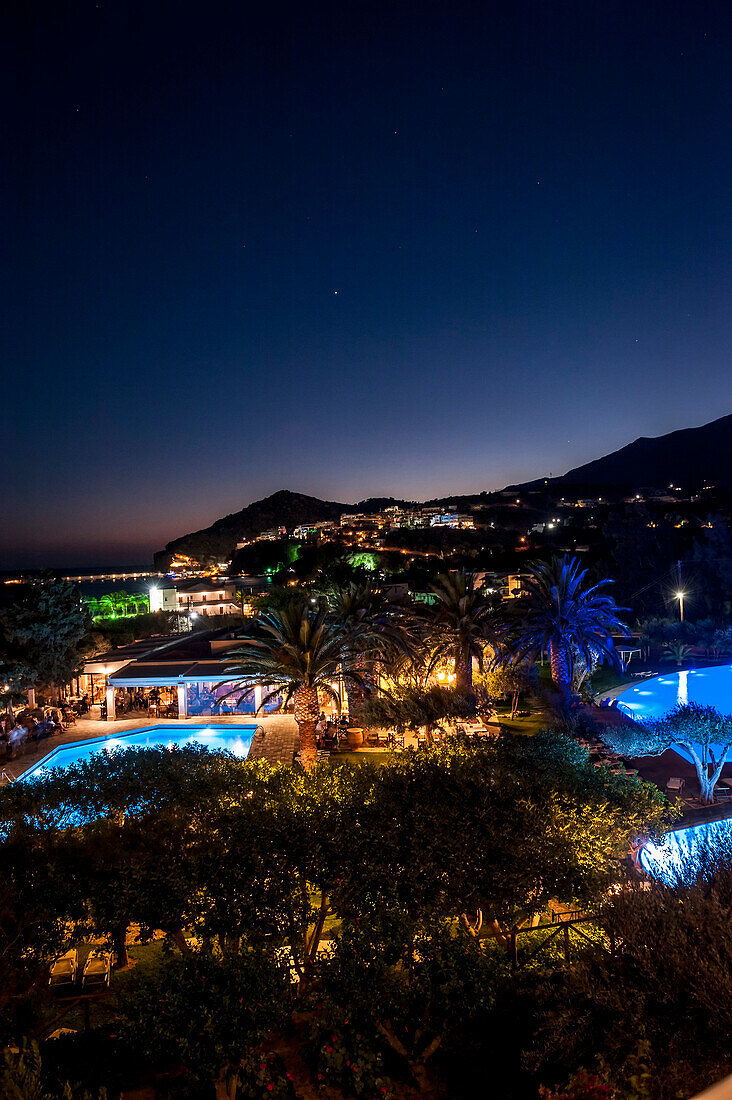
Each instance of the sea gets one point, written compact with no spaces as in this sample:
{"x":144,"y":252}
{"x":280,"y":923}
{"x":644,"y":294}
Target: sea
{"x":92,"y":582}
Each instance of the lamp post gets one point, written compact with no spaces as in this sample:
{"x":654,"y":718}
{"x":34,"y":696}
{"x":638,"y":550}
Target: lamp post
{"x":680,"y":598}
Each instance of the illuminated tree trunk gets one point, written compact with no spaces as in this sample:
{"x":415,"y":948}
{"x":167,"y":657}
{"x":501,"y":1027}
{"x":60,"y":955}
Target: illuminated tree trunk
{"x":561,"y":667}
{"x":226,"y":1084}
{"x":708,"y":771}
{"x":307,"y":712}
{"x":355,"y":692}
{"x":463,"y":670}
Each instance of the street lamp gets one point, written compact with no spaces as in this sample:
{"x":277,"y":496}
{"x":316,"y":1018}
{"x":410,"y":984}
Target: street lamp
{"x":680,"y":598}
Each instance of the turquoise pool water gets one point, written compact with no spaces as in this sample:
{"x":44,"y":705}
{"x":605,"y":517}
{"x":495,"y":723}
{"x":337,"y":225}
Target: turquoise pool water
{"x":684,"y":851}
{"x":657,"y":696}
{"x":233,"y":739}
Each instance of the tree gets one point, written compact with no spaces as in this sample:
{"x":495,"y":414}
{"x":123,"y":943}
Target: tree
{"x":45,"y":632}
{"x":411,"y":986}
{"x":206,"y":1012}
{"x":376,"y":631}
{"x":497,"y":830}
{"x":463,"y":620}
{"x":33,"y":929}
{"x":299,"y":653}
{"x":507,"y":677}
{"x":405,"y":708}
{"x":677,"y":651}
{"x":568,"y":617}
{"x":702,"y":731}
{"x":233,"y":850}
{"x":24,"y":1077}
{"x":668,"y":984}
{"x":14,"y":679}
{"x":713,"y":555}
{"x":642,"y":542}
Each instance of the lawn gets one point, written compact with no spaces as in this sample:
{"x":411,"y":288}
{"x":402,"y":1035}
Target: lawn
{"x":102,"y":1010}
{"x":606,"y":677}
{"x":377,"y":759}
{"x":529,"y":726}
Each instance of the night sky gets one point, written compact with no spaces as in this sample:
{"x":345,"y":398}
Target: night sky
{"x":349,"y":249}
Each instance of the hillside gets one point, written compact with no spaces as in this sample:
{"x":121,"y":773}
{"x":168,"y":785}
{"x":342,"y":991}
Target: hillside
{"x":689,"y":458}
{"x":217,"y":543}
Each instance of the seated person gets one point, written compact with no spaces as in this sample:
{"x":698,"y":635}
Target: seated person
{"x":45,"y":729}
{"x":31,"y":726}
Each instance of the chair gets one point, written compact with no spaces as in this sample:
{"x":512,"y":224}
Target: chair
{"x":63,"y":972}
{"x":675,"y":785}
{"x":97,"y":969}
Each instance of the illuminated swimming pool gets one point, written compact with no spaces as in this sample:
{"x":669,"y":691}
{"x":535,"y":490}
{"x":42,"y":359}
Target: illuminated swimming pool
{"x":657,"y":696}
{"x":233,"y":739}
{"x":682,"y":853}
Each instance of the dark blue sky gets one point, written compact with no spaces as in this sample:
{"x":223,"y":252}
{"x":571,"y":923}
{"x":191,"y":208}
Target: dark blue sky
{"x":349,"y":249}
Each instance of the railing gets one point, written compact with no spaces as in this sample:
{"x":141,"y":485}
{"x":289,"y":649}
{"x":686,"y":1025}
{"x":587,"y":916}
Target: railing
{"x":570,"y":914}
{"x":560,"y":930}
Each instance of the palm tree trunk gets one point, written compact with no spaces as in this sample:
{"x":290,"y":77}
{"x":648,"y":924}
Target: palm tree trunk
{"x":119,"y":936}
{"x":355,"y":693}
{"x":561,"y":668}
{"x":463,"y":671}
{"x":307,"y":712}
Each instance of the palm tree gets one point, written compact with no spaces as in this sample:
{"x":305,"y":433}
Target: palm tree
{"x":568,"y":617}
{"x":376,"y":631}
{"x":463,"y":620}
{"x":299,"y":652}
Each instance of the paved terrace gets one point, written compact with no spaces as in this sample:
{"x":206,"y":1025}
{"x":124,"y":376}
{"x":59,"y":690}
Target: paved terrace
{"x":276,"y":742}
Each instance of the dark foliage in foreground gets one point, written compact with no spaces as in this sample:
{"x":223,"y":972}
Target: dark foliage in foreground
{"x":666,"y":994}
{"x":246,"y":870}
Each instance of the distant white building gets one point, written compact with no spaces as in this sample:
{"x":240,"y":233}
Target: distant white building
{"x":201,"y":597}
{"x":453,"y":519}
{"x":307,"y":530}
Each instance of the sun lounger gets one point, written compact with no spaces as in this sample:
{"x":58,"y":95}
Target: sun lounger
{"x":64,"y":970}
{"x":97,"y":969}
